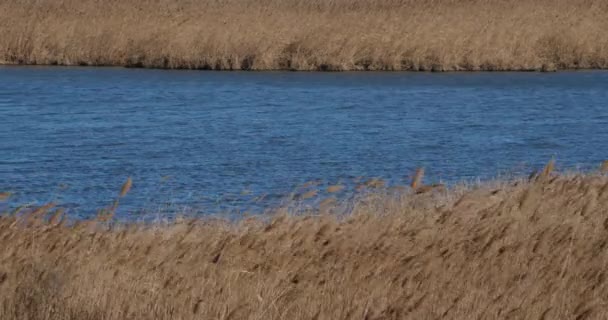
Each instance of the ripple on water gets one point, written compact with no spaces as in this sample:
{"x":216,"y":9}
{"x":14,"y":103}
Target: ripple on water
{"x":217,"y":134}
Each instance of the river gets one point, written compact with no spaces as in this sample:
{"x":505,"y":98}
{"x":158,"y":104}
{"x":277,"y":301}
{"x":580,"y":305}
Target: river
{"x":214,"y":141}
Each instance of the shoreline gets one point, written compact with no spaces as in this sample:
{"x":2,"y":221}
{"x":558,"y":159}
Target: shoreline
{"x":76,"y":66}
{"x":490,"y":70}
{"x":538,"y":70}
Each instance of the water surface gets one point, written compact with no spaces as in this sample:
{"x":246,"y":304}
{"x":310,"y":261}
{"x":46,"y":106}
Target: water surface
{"x":211,"y":141}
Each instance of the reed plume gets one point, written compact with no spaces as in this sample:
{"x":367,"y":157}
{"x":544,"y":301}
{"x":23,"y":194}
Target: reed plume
{"x":548,"y":169}
{"x":309,"y":194}
{"x":126,"y":187}
{"x":417,"y":178}
{"x":335,"y":188}
{"x":4,"y":196}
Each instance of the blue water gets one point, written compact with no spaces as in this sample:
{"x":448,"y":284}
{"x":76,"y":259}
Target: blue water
{"x":209,"y":141}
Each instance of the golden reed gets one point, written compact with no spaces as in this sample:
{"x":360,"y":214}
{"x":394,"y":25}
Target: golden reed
{"x":439,"y":35}
{"x":523,"y":249}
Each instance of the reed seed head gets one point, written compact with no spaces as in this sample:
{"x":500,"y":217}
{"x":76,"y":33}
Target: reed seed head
{"x":335,"y":188}
{"x":126,"y":187}
{"x":309,"y":194}
{"x":4,"y":195}
{"x":417,"y":178}
{"x":548,"y":169}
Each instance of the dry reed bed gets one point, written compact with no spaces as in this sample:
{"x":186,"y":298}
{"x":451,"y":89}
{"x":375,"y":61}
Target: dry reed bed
{"x":440,"y":35}
{"x":516,"y":250}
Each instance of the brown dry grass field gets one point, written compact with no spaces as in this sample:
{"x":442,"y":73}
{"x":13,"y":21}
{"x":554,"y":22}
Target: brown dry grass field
{"x":515,"y":249}
{"x":437,"y":35}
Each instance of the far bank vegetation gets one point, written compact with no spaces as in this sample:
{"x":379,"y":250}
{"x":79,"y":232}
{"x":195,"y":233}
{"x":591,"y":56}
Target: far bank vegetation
{"x":340,"y":35}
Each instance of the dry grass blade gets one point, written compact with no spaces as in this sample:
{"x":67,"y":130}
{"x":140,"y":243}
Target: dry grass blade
{"x":328,"y":201}
{"x":549,"y":167}
{"x":417,"y":178}
{"x":310,"y":183}
{"x":42,"y":210}
{"x":335,"y":188}
{"x":604,"y":167}
{"x":36,"y":217}
{"x":429,"y":188}
{"x":18,"y":210}
{"x":57,"y":217}
{"x":374,"y":183}
{"x":105,"y":214}
{"x":126,"y":187}
{"x":398,"y":189}
{"x":326,"y":204}
{"x":423,"y":189}
{"x":309,"y":194}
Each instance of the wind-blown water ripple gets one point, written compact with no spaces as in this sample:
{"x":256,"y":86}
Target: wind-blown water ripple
{"x":213,"y":141}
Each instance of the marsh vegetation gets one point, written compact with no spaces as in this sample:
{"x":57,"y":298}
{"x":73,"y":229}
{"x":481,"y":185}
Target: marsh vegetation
{"x":524,"y":248}
{"x":440,"y":35}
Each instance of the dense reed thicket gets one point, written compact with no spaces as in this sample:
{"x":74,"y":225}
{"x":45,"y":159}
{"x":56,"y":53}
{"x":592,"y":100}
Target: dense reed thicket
{"x":512,"y":250}
{"x":438,"y":35}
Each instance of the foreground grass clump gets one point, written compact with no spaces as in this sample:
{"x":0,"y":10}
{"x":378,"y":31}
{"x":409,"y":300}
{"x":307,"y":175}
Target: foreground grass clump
{"x":520,"y":250}
{"x":441,"y":35}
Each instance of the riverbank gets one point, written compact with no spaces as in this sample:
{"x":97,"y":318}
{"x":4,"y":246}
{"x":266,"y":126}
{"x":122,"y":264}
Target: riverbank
{"x":519,"y":249}
{"x":338,"y":35}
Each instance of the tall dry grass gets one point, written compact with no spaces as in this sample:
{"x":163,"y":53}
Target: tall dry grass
{"x":510,"y":250}
{"x":308,"y":35}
